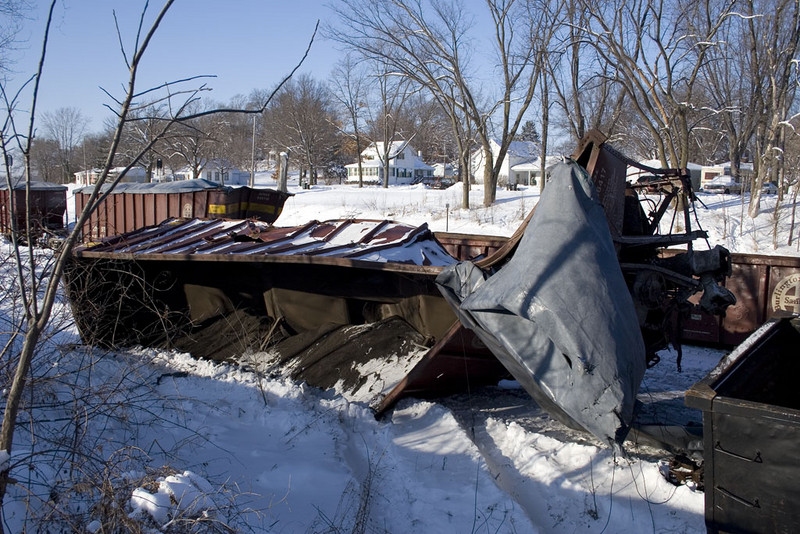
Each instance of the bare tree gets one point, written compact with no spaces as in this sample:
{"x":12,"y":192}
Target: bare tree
{"x":658,"y":47}
{"x":65,"y":126}
{"x":38,"y":302}
{"x":302,"y":119}
{"x":522,"y":64}
{"x":190,"y":143}
{"x":11,"y":14}
{"x":427,"y":42}
{"x":144,"y":129}
{"x":387,"y":107}
{"x":232,"y":134}
{"x":349,"y":90}
{"x":584,"y":88}
{"x":773,"y":36}
{"x":45,"y":160}
{"x":431,"y":128}
{"x":735,"y":81}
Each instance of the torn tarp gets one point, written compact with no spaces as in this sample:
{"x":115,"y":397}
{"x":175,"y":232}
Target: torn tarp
{"x":559,"y":315}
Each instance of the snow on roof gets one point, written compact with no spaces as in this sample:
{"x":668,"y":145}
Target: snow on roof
{"x":179,"y":186}
{"x":523,"y":149}
{"x":536,"y":164}
{"x":35,"y":186}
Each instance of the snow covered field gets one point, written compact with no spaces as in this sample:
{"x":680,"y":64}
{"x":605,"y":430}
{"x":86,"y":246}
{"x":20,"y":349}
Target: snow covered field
{"x":196,"y":445}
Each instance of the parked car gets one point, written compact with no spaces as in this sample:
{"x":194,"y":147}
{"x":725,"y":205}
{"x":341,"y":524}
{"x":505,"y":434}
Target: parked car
{"x":723,"y":184}
{"x":442,"y":183}
{"x":769,"y":188}
{"x":648,"y":179}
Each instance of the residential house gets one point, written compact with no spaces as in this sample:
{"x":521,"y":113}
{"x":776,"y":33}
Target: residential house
{"x":405,"y":165}
{"x":529,"y":172}
{"x":444,"y":170}
{"x":518,"y":152}
{"x":216,"y":170}
{"x":90,"y":176}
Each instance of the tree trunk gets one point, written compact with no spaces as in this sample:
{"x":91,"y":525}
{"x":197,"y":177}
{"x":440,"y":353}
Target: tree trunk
{"x":795,"y":190}
{"x":489,"y":178}
{"x":463,"y":173}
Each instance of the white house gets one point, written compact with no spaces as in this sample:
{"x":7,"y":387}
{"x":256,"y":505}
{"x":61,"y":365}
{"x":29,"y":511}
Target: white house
{"x":405,"y":165}
{"x":444,"y":170}
{"x":90,"y":176}
{"x":518,"y":152}
{"x":527,"y":173}
{"x":216,"y":170}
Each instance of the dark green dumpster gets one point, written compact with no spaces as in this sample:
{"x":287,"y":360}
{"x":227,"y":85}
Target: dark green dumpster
{"x":751,"y":433}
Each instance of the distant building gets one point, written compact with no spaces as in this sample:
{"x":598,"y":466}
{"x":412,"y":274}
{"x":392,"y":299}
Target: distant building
{"x":405,"y":165}
{"x":695,"y":172}
{"x":709,"y":172}
{"x":90,"y":176}
{"x":216,"y":170}
{"x":444,"y":170}
{"x":518,"y":152}
{"x":528,"y":173}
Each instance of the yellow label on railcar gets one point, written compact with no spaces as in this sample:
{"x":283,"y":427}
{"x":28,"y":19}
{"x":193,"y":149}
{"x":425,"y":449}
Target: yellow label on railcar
{"x":262,"y":208}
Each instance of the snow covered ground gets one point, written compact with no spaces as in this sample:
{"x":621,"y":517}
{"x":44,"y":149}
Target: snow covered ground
{"x":194,"y":445}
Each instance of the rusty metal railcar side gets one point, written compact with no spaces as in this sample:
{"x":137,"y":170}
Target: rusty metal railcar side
{"x":764,"y":286}
{"x":133,"y":206}
{"x":125,"y":211}
{"x":48,"y":205}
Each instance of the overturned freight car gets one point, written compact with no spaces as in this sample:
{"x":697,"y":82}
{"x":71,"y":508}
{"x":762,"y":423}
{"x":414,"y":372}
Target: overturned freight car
{"x":320,"y":298}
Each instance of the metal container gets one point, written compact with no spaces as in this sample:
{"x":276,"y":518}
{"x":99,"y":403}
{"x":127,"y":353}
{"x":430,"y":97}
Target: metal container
{"x":48,"y":202}
{"x":132,"y":206}
{"x":227,"y":204}
{"x":764,"y":286}
{"x":467,"y":247}
{"x":751,"y":428}
{"x":264,"y":204}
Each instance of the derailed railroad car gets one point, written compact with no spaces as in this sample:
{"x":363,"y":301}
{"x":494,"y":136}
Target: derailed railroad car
{"x":188,"y":282}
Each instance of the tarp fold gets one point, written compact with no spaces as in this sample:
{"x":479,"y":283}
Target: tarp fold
{"x":559,"y":315}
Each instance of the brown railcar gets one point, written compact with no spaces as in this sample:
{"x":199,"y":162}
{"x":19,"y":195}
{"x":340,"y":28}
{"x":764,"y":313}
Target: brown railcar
{"x":48,"y":202}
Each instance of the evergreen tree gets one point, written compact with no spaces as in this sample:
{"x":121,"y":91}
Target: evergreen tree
{"x":529,"y":133}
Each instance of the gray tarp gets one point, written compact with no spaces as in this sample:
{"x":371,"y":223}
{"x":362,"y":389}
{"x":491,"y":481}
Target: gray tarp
{"x":559,"y":315}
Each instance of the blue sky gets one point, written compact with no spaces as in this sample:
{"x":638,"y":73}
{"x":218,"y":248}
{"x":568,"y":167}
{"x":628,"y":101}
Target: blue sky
{"x":247,"y":44}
